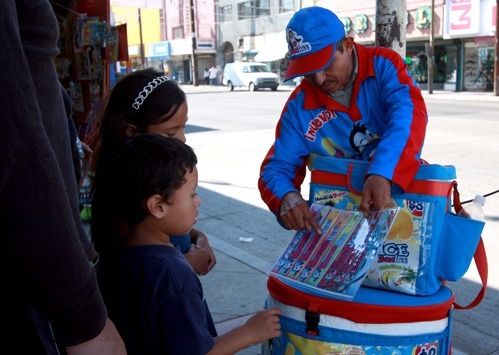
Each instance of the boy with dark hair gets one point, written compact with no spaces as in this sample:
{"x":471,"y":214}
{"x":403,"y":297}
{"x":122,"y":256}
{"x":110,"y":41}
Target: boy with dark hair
{"x":148,"y":189}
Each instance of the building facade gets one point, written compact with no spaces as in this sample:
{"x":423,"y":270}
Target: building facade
{"x":160,"y":34}
{"x":253,"y":30}
{"x":463,"y":32}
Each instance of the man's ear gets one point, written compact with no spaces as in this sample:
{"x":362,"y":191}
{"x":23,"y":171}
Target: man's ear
{"x":156,"y":206}
{"x":131,"y":130}
{"x":348,"y":44}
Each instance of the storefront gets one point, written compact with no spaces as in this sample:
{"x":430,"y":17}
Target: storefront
{"x":88,"y":48}
{"x":446,"y":65}
{"x":471,"y":24}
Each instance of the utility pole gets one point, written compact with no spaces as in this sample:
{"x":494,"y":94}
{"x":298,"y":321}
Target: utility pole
{"x":194,"y":61}
{"x":391,"y":17}
{"x":142,"y":55}
{"x":496,"y":58}
{"x":431,"y":50}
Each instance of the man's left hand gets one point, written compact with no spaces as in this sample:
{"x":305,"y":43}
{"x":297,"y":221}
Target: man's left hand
{"x":376,"y":194}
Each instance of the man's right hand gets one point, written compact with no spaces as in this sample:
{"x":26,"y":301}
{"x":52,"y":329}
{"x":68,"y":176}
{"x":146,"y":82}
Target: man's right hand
{"x":295,"y":213}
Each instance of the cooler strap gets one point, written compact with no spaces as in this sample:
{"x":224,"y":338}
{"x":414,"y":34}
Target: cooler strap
{"x":422,"y":187}
{"x":480,"y":258}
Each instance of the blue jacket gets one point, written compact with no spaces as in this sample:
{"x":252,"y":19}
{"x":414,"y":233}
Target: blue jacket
{"x":385,"y":123}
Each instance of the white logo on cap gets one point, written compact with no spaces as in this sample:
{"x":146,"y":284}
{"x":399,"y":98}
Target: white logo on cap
{"x":295,"y":43}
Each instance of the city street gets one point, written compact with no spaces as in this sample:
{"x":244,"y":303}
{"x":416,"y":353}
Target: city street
{"x":231,"y":133}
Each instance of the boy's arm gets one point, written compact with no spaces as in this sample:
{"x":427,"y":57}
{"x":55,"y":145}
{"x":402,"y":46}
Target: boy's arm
{"x":262,"y":326}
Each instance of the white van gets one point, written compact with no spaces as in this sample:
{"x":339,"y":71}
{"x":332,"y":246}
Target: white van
{"x":250,"y":75}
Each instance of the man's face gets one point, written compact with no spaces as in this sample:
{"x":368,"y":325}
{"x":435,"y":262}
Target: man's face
{"x":336,"y":76}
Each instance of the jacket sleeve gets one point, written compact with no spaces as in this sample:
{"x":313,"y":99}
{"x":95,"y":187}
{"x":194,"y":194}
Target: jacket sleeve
{"x":397,"y":156}
{"x":44,"y":258}
{"x":284,"y":166}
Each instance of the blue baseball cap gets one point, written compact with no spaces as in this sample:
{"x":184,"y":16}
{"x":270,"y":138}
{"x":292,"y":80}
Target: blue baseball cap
{"x":312,"y":34}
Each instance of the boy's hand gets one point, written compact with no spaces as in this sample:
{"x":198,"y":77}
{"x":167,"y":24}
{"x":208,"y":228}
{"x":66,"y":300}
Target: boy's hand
{"x":264,"y":325}
{"x":200,"y":255}
{"x":201,"y":241}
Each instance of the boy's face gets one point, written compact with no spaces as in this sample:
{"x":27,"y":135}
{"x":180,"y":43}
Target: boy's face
{"x":183,"y":206}
{"x":173,"y":127}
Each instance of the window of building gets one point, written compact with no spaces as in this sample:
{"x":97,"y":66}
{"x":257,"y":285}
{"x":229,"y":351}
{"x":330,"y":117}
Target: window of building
{"x":225,"y":14}
{"x":245,"y":10}
{"x":178,"y":32}
{"x":252,"y":9}
{"x":263,"y":7}
{"x":286,"y":6}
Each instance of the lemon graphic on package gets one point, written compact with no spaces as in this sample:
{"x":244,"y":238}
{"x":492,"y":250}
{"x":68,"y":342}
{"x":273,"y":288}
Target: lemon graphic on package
{"x":402,"y":226}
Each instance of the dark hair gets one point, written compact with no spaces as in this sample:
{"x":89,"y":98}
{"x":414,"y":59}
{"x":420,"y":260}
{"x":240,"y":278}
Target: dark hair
{"x":138,"y":168}
{"x":161,"y":104}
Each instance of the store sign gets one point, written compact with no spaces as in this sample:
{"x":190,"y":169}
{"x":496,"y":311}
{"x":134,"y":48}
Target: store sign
{"x":160,"y":50}
{"x":462,"y":17}
{"x":423,"y":17}
{"x":347,"y":24}
{"x":360,"y":23}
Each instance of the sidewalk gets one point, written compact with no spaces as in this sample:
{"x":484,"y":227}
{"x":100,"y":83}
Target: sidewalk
{"x":436,"y":95}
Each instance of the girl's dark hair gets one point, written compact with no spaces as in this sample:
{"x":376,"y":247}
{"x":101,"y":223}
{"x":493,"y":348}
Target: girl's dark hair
{"x":161,"y":104}
{"x":135,"y":170}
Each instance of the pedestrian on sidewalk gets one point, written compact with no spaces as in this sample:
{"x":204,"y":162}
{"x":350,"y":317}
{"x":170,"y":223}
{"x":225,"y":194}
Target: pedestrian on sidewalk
{"x":355,"y":102}
{"x":146,"y":101}
{"x":213,"y":74}
{"x":50,"y":302}
{"x":206,"y":76}
{"x":152,"y":293}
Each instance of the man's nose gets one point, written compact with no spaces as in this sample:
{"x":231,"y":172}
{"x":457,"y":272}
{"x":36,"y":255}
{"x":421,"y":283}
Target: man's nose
{"x":319,"y":77}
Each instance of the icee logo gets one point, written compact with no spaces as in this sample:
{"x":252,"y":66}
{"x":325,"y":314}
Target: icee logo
{"x":317,"y":122}
{"x":427,"y":349}
{"x":415,"y":207}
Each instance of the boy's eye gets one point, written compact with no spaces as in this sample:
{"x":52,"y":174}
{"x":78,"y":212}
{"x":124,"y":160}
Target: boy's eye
{"x":194,"y":194}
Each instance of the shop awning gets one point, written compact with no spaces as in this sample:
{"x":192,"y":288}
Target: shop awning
{"x":274,"y":47}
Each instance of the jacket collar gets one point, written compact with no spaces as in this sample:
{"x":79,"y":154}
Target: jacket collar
{"x":316,"y":98}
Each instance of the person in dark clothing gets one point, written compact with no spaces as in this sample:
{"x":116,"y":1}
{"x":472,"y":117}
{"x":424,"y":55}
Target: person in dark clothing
{"x":50,"y":302}
{"x":153,"y":295}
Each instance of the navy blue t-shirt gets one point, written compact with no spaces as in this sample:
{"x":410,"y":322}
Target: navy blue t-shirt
{"x":156,"y":301}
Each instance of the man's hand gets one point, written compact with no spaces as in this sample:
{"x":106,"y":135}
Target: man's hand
{"x":376,"y":194}
{"x":295,"y":213}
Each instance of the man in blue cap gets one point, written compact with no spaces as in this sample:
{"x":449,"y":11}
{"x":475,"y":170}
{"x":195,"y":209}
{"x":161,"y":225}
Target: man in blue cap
{"x":356,"y":102}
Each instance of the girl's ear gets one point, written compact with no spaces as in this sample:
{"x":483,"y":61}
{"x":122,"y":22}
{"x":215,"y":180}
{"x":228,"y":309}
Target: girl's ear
{"x":156,"y":206}
{"x":131,"y":130}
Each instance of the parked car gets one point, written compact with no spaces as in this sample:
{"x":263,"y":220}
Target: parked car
{"x":250,"y":75}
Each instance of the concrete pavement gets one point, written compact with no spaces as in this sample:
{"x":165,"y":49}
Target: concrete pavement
{"x":247,"y":238}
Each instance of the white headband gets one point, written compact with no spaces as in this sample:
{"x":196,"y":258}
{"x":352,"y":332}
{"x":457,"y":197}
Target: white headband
{"x":144,"y":93}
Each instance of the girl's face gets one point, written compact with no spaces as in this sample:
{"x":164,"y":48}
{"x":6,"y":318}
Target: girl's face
{"x":173,"y":127}
{"x":183,"y":206}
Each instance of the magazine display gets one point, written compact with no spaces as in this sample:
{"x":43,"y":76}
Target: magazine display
{"x":335,"y":262}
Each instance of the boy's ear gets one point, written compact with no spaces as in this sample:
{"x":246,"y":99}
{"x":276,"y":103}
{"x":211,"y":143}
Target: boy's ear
{"x":131,"y":130}
{"x":156,"y":206}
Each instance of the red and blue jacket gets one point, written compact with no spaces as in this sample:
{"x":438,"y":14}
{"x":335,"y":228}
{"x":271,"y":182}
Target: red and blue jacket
{"x":385,"y":124}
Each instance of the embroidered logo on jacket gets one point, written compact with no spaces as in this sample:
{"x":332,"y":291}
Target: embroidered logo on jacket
{"x":317,"y":122}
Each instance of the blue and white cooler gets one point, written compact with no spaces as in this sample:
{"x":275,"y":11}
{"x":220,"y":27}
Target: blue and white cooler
{"x":374,"y":322}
